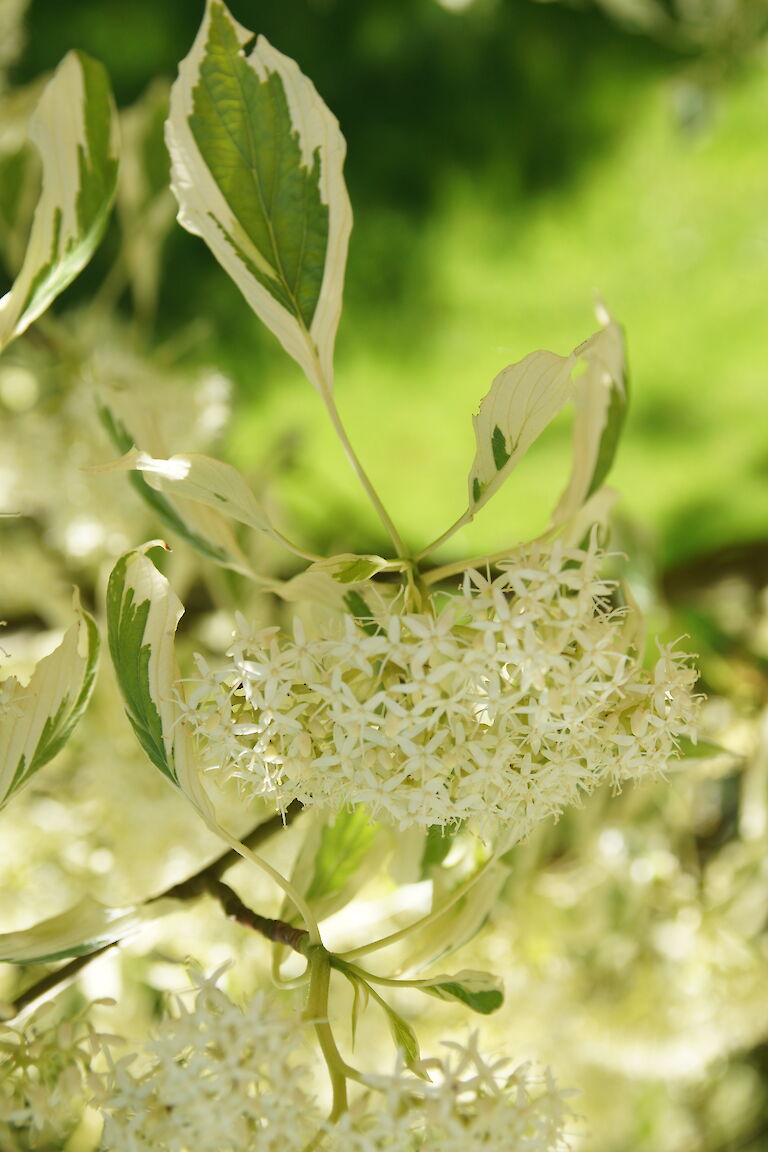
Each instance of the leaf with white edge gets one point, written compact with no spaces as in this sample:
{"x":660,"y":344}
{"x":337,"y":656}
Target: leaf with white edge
{"x":337,"y":582}
{"x":74,"y":129}
{"x":37,"y":719}
{"x":349,"y":568}
{"x":142,"y":616}
{"x":524,"y":398}
{"x":200,"y":478}
{"x":257,"y":162}
{"x":480,"y":991}
{"x":203,"y":527}
{"x":600,"y":395}
{"x":82,"y":929}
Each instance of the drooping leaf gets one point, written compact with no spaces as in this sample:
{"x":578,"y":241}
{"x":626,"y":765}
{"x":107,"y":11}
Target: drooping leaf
{"x":600,"y":395}
{"x":460,"y":922}
{"x":142,"y":616}
{"x":37,"y":719}
{"x":74,"y":130}
{"x":257,"y":170}
{"x":523,"y":399}
{"x":82,"y":929}
{"x":403,"y":1035}
{"x":199,"y":478}
{"x":480,"y":991}
{"x":202,"y":527}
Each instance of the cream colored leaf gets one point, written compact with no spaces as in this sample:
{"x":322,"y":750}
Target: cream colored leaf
{"x":523,"y":399}
{"x":600,"y":396}
{"x":74,"y":129}
{"x":81,"y":929}
{"x":37,"y":719}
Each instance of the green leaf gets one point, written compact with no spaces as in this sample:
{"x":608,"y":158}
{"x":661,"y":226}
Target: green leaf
{"x":334,"y":860}
{"x":480,"y":991}
{"x":199,"y":478}
{"x":402,"y":1034}
{"x":343,"y":847}
{"x":74,"y":129}
{"x":142,"y":616}
{"x":257,"y":170}
{"x":687,"y":749}
{"x":37,"y":719}
{"x":82,"y":929}
{"x":438,"y":843}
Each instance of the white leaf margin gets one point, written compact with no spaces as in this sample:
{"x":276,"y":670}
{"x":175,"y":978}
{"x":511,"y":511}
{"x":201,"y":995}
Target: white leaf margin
{"x":58,"y":130}
{"x":204,"y":211}
{"x":57,"y":693}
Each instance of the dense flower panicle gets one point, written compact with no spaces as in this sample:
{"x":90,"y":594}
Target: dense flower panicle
{"x":216,"y":1078}
{"x":45,"y":1077}
{"x":471,"y":1105}
{"x":503,"y":706}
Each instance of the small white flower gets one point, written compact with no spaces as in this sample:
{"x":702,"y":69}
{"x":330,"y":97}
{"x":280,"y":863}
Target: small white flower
{"x":471,"y":1105}
{"x":214,"y":1078}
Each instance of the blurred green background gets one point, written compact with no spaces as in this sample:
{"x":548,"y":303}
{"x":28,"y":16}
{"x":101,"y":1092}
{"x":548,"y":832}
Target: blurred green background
{"x":508,"y":160}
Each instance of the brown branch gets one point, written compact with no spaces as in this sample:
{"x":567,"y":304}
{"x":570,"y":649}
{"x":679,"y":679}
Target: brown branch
{"x":207,"y":880}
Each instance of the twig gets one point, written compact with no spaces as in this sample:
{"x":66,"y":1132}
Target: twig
{"x":208,"y":879}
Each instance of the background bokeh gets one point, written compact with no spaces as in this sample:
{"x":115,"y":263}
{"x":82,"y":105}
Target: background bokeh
{"x":508,"y":162}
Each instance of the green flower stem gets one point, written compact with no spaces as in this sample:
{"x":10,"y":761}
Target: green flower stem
{"x":316,"y":1013}
{"x":446,"y":570}
{"x":465,"y":518}
{"x":424,"y":921}
{"x":301,"y":905}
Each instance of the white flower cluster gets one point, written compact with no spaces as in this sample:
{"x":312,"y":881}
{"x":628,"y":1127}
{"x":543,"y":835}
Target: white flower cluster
{"x":45,"y":1077}
{"x":471,"y":1105}
{"x":217,"y":1078}
{"x":502,"y":706}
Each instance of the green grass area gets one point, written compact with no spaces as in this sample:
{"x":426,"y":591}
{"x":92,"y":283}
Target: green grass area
{"x":671,"y":228}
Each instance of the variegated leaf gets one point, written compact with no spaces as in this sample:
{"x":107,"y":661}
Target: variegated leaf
{"x":479,"y":991}
{"x":524,"y":398}
{"x":203,"y":527}
{"x":600,"y":396}
{"x":74,"y":129}
{"x":143,"y":613}
{"x":194,"y":476}
{"x":82,"y":929}
{"x":257,"y":163}
{"x":37,"y":719}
